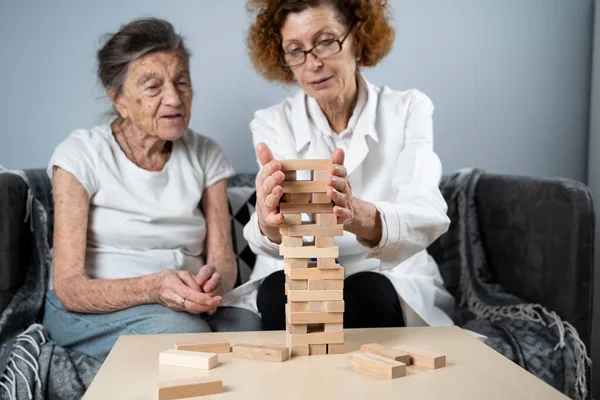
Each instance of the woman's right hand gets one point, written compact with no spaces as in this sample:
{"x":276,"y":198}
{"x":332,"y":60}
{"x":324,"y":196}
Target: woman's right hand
{"x":170,"y":287}
{"x":268,"y":193}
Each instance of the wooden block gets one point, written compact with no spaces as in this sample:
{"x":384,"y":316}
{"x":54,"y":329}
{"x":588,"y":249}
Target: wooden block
{"x":334,"y":327}
{"x":295,"y":284}
{"x":336,"y":348}
{"x":320,"y":198}
{"x":291,"y":218}
{"x":317,"y":284}
{"x":298,"y":306}
{"x":309,"y":252}
{"x":191,"y":387}
{"x":312,"y":230}
{"x":326,"y":263}
{"x":300,"y":350}
{"x":286,"y":289}
{"x":296,"y":263}
{"x":261,"y":352}
{"x":309,"y":208}
{"x":424,"y":358}
{"x":379,"y":365}
{"x":188,"y":359}
{"x":292,"y":241}
{"x":387,"y":352}
{"x":290,"y":175}
{"x":334,"y":306}
{"x":316,"y":306}
{"x":324,"y":241}
{"x":304,"y":187}
{"x":207,"y":346}
{"x":296,"y":197}
{"x":305,"y":165}
{"x":317,"y":338}
{"x":317,"y":349}
{"x":320,"y":175}
{"x":316,"y":295}
{"x":315,"y":318}
{"x":315,"y":273}
{"x":326,"y":219}
{"x":297,"y":329}
{"x":334,"y":284}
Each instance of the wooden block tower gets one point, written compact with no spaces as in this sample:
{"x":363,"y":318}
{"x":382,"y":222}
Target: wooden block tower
{"x":315,"y":302}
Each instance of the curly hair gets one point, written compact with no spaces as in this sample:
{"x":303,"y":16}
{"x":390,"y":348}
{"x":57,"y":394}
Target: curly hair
{"x":264,"y":36}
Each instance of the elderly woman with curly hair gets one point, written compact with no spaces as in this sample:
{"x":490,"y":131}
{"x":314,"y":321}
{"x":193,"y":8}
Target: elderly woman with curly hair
{"x":385,"y":174}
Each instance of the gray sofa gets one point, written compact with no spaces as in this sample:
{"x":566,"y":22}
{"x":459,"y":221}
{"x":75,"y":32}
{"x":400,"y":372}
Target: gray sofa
{"x":537,"y":236}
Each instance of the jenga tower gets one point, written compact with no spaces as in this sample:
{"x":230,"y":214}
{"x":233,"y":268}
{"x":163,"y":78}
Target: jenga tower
{"x":314,"y":289}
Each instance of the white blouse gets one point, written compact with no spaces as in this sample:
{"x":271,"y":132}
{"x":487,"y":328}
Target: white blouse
{"x":142,"y":221}
{"x":391,"y":163}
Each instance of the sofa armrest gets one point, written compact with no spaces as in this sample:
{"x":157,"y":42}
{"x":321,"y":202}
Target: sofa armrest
{"x":13,"y":204}
{"x":538,"y":235}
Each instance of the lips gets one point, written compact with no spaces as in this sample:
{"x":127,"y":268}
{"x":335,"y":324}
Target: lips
{"x":319,"y":81}
{"x":172,"y":116}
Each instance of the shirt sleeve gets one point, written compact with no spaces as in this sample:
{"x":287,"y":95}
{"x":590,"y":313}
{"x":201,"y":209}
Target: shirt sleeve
{"x":415,"y":216}
{"x":75,"y":156}
{"x":214,"y":162}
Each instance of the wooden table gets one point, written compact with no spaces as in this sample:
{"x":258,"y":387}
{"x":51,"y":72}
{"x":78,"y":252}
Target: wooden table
{"x":473,"y":370}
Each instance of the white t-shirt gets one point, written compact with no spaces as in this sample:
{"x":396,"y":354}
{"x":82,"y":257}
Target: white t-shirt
{"x":141,"y":221}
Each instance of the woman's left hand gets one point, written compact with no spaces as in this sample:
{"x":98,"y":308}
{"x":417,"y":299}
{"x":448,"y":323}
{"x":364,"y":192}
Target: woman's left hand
{"x":341,"y":190}
{"x":210,"y":281}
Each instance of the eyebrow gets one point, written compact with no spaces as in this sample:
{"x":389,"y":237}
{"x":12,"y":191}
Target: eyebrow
{"x":153,"y":75}
{"x":317,"y":34}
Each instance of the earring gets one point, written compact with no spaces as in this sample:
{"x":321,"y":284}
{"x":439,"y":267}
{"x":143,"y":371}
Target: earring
{"x":358,"y":57}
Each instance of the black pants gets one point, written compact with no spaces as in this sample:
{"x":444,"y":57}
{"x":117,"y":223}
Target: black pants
{"x":370,"y":302}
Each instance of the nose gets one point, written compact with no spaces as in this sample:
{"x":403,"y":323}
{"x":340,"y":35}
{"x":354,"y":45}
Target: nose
{"x":313,"y":63}
{"x":172,"y":97}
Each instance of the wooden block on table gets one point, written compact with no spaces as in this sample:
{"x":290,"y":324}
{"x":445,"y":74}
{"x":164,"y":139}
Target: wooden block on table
{"x":326,"y":263}
{"x":305,"y":165}
{"x":315,"y":273}
{"x":261,"y":352}
{"x":387,"y":352}
{"x":207,"y":346}
{"x":316,"y":295}
{"x":334,"y":306}
{"x":320,"y":198}
{"x":317,"y":284}
{"x":188,"y":359}
{"x":309,"y":208}
{"x":379,"y":365}
{"x":424,"y":358}
{"x":290,"y":218}
{"x":334,"y":284}
{"x":317,"y":349}
{"x":312,"y":230}
{"x":324,"y":241}
{"x":292,"y":241}
{"x":316,"y":306}
{"x":300,"y":350}
{"x":298,"y":306}
{"x":309,"y":252}
{"x":316,"y":338}
{"x":315,"y":318}
{"x":336,"y":348}
{"x":304,"y":187}
{"x":191,"y":387}
{"x":326,"y":219}
{"x":296,"y":263}
{"x":334,"y":327}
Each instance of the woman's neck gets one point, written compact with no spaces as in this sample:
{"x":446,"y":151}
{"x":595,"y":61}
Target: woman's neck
{"x":339,"y":110}
{"x":145,"y":150}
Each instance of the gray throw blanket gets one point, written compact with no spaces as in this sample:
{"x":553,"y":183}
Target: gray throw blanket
{"x":31,"y":366}
{"x":528,"y":334}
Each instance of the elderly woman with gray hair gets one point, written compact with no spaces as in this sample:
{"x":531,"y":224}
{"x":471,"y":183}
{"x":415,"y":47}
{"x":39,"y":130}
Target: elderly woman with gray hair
{"x":138,"y":201}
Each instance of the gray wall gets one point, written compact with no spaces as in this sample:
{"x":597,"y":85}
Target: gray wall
{"x":509,"y":79}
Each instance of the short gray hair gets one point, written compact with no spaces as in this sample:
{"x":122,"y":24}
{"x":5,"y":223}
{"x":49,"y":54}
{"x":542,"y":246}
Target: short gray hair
{"x":134,"y":40}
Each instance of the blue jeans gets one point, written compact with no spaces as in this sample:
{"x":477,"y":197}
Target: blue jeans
{"x":95,"y":334}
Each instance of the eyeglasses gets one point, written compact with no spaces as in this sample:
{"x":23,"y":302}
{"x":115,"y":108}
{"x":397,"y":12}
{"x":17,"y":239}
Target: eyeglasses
{"x":323,"y":49}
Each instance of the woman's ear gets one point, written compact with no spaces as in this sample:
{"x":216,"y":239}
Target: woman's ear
{"x":116,"y":99}
{"x":359,"y":44}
